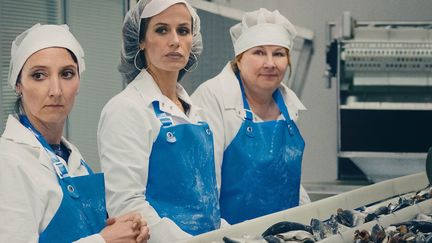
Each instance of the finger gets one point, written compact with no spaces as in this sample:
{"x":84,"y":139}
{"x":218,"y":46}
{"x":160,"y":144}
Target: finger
{"x":144,"y":234}
{"x":110,"y":221}
{"x":136,"y":221}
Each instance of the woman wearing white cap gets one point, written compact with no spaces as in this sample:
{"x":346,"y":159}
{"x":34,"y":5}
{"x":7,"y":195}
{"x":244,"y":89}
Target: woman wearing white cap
{"x":155,"y":150}
{"x":48,"y":193}
{"x":257,"y":144}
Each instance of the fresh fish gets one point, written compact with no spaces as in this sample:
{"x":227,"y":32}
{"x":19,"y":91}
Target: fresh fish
{"x":350,"y":218}
{"x":322,"y":230}
{"x":285,"y":226}
{"x":414,"y":225}
{"x":245,"y":239}
{"x":297,"y":236}
{"x":361,"y":236}
{"x":403,"y":203}
{"x":383,"y":210}
{"x":273,"y":239}
{"x":378,"y":234}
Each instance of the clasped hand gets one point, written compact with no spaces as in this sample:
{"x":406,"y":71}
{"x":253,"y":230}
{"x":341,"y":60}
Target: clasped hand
{"x":127,"y":228}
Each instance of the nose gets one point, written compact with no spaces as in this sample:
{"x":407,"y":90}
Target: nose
{"x":269,"y":61}
{"x":175,"y":42}
{"x":55,"y":89}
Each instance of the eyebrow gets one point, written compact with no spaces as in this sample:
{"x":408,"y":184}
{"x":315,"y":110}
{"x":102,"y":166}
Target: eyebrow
{"x":165,"y":24}
{"x":46,"y":67}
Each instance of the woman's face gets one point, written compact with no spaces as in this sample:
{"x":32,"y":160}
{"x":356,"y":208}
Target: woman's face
{"x":262,"y":68}
{"x":49,"y":85}
{"x":168,"y":39}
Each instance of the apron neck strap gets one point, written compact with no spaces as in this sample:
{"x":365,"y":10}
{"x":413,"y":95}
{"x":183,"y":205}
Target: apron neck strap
{"x":162,"y":116}
{"x":60,"y":169}
{"x":277,"y":97}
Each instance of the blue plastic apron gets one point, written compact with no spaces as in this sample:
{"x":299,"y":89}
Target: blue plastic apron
{"x":181,"y":179}
{"x":261,"y":168}
{"x":82,"y":211}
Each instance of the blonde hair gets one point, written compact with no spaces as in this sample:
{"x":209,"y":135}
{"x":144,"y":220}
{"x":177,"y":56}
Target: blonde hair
{"x":236,"y":60}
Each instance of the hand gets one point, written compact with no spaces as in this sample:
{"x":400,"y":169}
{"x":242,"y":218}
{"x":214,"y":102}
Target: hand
{"x":138,"y":223}
{"x":119,"y":232}
{"x":144,"y":235}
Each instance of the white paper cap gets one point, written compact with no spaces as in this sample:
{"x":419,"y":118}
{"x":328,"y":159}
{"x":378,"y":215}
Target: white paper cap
{"x":154,"y":7}
{"x":262,"y":27}
{"x":40,"y":37}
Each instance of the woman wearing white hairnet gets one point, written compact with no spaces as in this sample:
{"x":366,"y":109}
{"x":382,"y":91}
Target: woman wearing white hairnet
{"x":47,"y":192}
{"x":252,"y":114}
{"x":155,"y":150}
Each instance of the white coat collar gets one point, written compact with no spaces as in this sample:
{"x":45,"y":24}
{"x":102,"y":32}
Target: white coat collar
{"x":150,"y":91}
{"x":18,"y":133}
{"x":233,"y":97}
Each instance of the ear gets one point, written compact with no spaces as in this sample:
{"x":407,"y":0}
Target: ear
{"x":18,"y":88}
{"x":142,"y":45}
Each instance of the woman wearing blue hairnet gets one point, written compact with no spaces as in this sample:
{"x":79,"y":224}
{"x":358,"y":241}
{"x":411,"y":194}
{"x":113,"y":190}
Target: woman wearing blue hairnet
{"x":47,"y":192}
{"x":252,"y":114}
{"x":155,"y":150}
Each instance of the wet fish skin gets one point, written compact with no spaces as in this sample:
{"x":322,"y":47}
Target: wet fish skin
{"x":273,"y":239}
{"x":422,"y":226}
{"x":285,"y":226}
{"x":350,"y":218}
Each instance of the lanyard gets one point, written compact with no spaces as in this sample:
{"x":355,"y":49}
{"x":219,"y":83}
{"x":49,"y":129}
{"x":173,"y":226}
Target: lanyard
{"x":59,"y":167}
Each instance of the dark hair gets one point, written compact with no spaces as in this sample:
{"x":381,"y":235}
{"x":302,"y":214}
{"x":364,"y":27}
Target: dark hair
{"x":18,"y":101}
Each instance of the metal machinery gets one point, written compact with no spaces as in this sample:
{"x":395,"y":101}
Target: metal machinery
{"x":383,"y":75}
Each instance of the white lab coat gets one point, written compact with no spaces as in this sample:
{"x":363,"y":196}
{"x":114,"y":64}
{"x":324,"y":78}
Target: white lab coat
{"x":221,"y":99}
{"x":30,"y":193}
{"x":128,"y":127}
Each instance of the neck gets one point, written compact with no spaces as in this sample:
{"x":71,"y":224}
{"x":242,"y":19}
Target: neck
{"x":166,"y":81}
{"x":262,"y":104}
{"x":52,"y":132}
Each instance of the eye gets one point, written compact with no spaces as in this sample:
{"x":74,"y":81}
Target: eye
{"x":279,"y":54}
{"x":258,"y":52}
{"x":183,"y":30}
{"x":68,"y":74}
{"x":161,"y":30}
{"x":39,"y":75}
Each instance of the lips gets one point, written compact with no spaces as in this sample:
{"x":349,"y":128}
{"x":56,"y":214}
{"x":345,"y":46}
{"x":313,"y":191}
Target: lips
{"x":269,"y":74}
{"x":54,"y":106}
{"x":174,"y":55}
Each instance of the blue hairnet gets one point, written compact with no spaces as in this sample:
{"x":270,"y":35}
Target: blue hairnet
{"x":131,"y":60}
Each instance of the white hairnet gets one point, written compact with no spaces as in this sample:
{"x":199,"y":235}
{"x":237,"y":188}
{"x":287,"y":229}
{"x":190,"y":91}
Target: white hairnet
{"x":131,"y":58}
{"x":40,"y":37}
{"x":262,"y":27}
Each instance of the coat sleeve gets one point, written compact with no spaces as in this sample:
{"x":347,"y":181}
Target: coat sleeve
{"x":304,"y":196}
{"x":125,"y":138}
{"x":20,"y":207}
{"x":213,"y":115}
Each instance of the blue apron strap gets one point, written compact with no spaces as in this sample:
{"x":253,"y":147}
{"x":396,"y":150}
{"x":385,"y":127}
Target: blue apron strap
{"x":249,"y":114}
{"x":59,"y":167}
{"x":277,"y":96}
{"x":89,"y":170}
{"x":162,"y":116}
